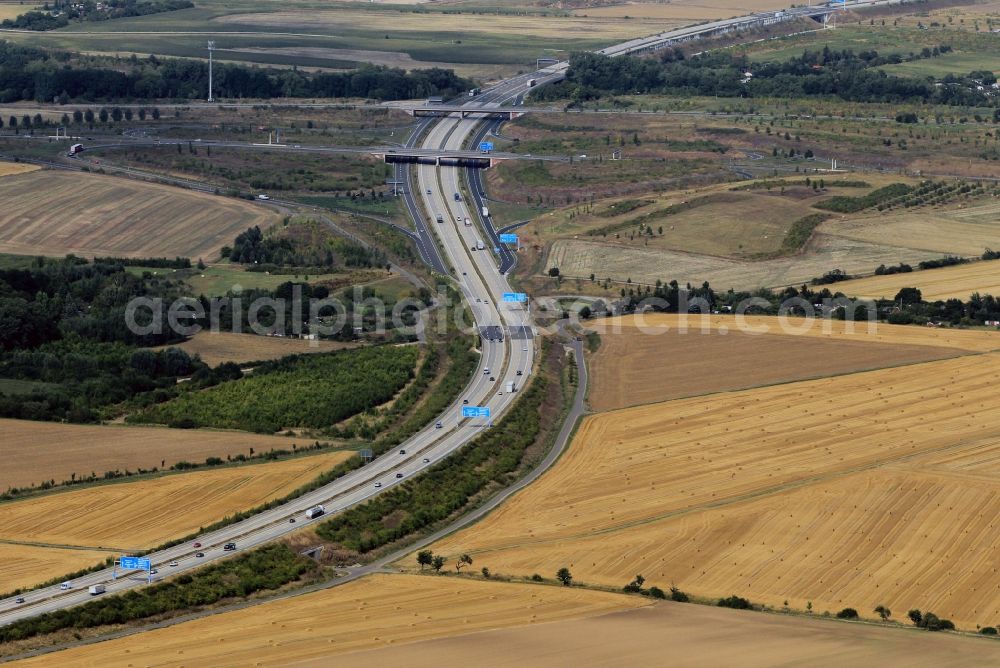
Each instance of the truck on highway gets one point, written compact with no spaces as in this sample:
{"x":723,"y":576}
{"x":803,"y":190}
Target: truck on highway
{"x":96,"y":589}
{"x":474,"y":92}
{"x":486,"y":211}
{"x":315,"y":512}
{"x":480,"y":245}
{"x":74,"y":149}
{"x":510,"y":386}
{"x":468,"y":222}
{"x":532,"y":82}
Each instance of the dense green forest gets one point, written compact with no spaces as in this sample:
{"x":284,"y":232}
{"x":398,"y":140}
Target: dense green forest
{"x":841,"y":74}
{"x":64,"y":337}
{"x":63,"y":333}
{"x":301,"y":244}
{"x":312,"y":391}
{"x":29,"y":73}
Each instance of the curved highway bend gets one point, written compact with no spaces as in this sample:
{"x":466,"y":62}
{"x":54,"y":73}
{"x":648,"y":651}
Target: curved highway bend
{"x":478,"y":278}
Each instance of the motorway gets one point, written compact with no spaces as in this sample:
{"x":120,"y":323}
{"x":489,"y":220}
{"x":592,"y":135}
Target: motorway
{"x":479,"y":277}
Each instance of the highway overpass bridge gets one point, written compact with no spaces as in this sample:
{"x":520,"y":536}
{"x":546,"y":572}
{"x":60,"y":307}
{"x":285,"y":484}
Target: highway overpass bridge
{"x":454,"y":158}
{"x":444,"y":110}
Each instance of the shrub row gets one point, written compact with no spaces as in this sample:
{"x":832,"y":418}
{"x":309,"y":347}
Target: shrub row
{"x":446,"y":487}
{"x":265,"y":568}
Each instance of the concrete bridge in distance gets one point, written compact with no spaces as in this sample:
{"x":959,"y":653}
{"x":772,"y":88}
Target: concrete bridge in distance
{"x":454,"y":158}
{"x":442,"y":110}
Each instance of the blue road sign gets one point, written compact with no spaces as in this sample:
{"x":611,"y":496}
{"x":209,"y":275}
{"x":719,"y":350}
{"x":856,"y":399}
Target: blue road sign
{"x":475,"y":411}
{"x":508,"y":238}
{"x":135,"y":563}
{"x":486,"y":146}
{"x":515,"y":297}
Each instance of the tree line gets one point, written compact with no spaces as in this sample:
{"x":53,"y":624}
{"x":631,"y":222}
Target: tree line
{"x":264,"y":569}
{"x":281,"y":249}
{"x":838,"y":74}
{"x":59,"y":13}
{"x":31,"y":73}
{"x":906,"y":307}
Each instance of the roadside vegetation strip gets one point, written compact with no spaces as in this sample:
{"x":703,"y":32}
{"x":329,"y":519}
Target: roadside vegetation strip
{"x":266,"y":568}
{"x":462,"y":362}
{"x":492,"y":459}
{"x":340,"y":385}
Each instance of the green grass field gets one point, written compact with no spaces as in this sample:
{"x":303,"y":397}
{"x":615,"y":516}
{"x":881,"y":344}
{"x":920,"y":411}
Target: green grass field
{"x":332,"y":35}
{"x":11,"y":386}
{"x":952,"y":63}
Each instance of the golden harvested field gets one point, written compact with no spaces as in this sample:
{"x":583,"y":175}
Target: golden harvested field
{"x":10,"y":10}
{"x":683,"y":10}
{"x":445,"y":25}
{"x":632,"y":367}
{"x":966,"y":231}
{"x":26,"y":565}
{"x":36,"y":451}
{"x":218,"y":347}
{"x":132,"y":516}
{"x":377,"y":611}
{"x":732,"y":224}
{"x":578,"y":258}
{"x":956,"y":282}
{"x":55,"y":213}
{"x":11,"y":168}
{"x":694,"y":637}
{"x":895,"y":335}
{"x":741,"y":492}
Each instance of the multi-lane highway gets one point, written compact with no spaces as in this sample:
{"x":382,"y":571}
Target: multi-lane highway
{"x":477,"y":276}
{"x":480,"y":275}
